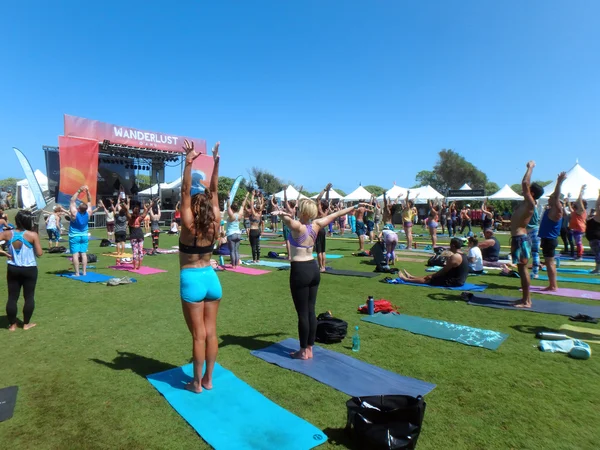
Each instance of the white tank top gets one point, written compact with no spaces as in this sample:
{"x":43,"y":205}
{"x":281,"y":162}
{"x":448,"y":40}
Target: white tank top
{"x":51,"y":225}
{"x":23,"y":257}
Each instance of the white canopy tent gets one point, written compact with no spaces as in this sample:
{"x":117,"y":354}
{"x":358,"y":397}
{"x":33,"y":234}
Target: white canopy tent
{"x":425,"y":193}
{"x":393,"y":193}
{"x":333,"y":195}
{"x":360,"y":193}
{"x":576,"y":177}
{"x":24,"y":192}
{"x":506,"y":193}
{"x":466,"y":187}
{"x":290,"y":192}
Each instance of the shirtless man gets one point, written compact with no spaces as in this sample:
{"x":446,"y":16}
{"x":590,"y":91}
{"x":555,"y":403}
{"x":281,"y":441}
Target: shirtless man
{"x":361,"y":228}
{"x":549,"y":231}
{"x":520,"y":245}
{"x":388,"y":212}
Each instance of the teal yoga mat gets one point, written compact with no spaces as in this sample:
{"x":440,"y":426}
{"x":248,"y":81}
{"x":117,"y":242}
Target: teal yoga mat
{"x":90,"y":277}
{"x":330,"y":256}
{"x":233,"y":415}
{"x":275,"y":264}
{"x":572,"y":280}
{"x":439,"y":329}
{"x":569,"y":270}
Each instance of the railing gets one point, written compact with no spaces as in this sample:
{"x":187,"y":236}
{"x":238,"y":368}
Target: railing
{"x":98,"y":220}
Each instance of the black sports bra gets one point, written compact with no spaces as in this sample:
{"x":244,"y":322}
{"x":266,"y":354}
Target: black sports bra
{"x":194,"y":249}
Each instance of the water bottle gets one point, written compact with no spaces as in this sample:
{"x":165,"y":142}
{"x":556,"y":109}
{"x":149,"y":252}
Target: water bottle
{"x":557,"y":262}
{"x":221,"y":260}
{"x":355,"y":340}
{"x":371,"y":305}
{"x":549,"y":336}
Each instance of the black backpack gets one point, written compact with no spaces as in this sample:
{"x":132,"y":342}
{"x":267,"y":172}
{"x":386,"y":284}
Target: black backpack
{"x":105,"y":243}
{"x":91,"y":258}
{"x":330,"y":330}
{"x":385,"y":422}
{"x":60,"y":249}
{"x":436,"y":260}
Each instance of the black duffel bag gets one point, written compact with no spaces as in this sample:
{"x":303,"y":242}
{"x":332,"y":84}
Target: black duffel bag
{"x":385,"y":422}
{"x":436,"y":260}
{"x":330,"y":330}
{"x":91,"y":258}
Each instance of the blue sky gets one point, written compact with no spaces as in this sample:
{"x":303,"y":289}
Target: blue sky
{"x":314,"y":91}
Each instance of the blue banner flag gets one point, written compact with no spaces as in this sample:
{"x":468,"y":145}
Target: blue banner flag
{"x":34,"y":186}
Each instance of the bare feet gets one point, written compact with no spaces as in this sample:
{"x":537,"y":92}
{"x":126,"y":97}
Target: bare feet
{"x":13,"y":327}
{"x":27,"y":326}
{"x":194,"y":387}
{"x":550,"y":289}
{"x":309,"y":352}
{"x":300,"y":354}
{"x":207,"y":382}
{"x":84,"y":274}
{"x":76,"y":275}
{"x":523,"y":304}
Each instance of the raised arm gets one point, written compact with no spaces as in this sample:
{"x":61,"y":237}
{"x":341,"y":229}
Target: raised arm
{"x":324,"y":221}
{"x":555,"y":198}
{"x":72,"y":203}
{"x":483,"y":208}
{"x":526,"y":183}
{"x":127,"y":208}
{"x":214,"y":182}
{"x":579,"y":204}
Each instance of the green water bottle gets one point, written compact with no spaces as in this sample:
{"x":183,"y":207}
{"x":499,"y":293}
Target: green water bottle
{"x":355,"y":340}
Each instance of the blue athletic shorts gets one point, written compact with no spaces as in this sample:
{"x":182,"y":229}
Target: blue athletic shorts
{"x":199,"y":283}
{"x":520,"y":249}
{"x":361,"y":229}
{"x":78,"y":243}
{"x":370,"y":226}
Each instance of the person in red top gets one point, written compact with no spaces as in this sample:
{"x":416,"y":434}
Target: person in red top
{"x":577,"y":222}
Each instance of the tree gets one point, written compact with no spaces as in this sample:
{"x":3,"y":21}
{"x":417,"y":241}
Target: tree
{"x":266,"y":181}
{"x":519,"y":190}
{"x":375,"y":190}
{"x":9,"y":183}
{"x":143,"y":181}
{"x":225,"y":184}
{"x":491,"y":188}
{"x":451,"y":171}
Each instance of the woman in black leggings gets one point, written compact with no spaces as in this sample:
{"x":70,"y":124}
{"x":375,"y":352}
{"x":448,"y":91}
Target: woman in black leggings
{"x":254,"y":232}
{"x":566,"y":237}
{"x":304,"y":272}
{"x":23,"y":246}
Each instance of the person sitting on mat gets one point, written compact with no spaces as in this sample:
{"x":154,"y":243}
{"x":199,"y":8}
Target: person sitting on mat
{"x":520,"y":244}
{"x":453,"y":274}
{"x":304,"y":271}
{"x":592,"y":233}
{"x":78,"y":229}
{"x":475,"y":257}
{"x":200,"y":289}
{"x":549,"y":231}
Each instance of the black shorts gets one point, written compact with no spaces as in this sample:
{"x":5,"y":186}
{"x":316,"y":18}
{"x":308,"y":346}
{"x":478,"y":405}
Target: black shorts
{"x":320,"y":241}
{"x":445,"y":282}
{"x":549,"y":247}
{"x":120,"y":236}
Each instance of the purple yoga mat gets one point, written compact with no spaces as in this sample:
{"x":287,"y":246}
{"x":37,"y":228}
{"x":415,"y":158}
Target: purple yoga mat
{"x":566,"y":292}
{"x":245,"y":270}
{"x":144,"y":270}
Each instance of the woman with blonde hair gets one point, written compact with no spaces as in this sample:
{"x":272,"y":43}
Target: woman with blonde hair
{"x":304,"y":272}
{"x":200,"y":289}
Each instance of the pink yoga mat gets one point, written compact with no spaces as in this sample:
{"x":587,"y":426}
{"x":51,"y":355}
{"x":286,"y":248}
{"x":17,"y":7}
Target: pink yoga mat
{"x":566,"y":292}
{"x":144,"y":270}
{"x":244,"y":270}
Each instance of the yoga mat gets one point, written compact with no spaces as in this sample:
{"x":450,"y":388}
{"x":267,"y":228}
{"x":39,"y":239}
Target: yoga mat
{"x":90,"y":277}
{"x":439,"y":329}
{"x":589,"y":335}
{"x":464,"y":287}
{"x":540,"y":306}
{"x":417,"y":260}
{"x":572,"y":280}
{"x":275,"y":264}
{"x":351,"y":273}
{"x":114,"y":255}
{"x":577,"y":264}
{"x":344,"y":373}
{"x":143,"y":270}
{"x":233,"y":415}
{"x":8,"y":400}
{"x":567,"y":270}
{"x":565,"y":292}
{"x":330,"y":256}
{"x":244,"y":270}
{"x":437,"y":269}
{"x":282,"y":246}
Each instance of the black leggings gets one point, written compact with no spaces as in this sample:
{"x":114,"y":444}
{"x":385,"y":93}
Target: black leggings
{"x":567,"y":240}
{"x":304,"y":284}
{"x":255,"y":244}
{"x":17,"y":277}
{"x":155,"y":237}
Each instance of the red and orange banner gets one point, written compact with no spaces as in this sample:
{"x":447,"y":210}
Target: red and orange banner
{"x":78,"y":167}
{"x":94,"y":129}
{"x":202,"y":170}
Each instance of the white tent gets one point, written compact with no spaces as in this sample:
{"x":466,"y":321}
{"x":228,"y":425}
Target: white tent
{"x":163,"y":186}
{"x":466,"y":187}
{"x":25,"y":194}
{"x":360,"y":193}
{"x":506,"y":193}
{"x":425,"y":194}
{"x":576,"y":177}
{"x":333,"y":195}
{"x":290,"y":192}
{"x":393,"y":193}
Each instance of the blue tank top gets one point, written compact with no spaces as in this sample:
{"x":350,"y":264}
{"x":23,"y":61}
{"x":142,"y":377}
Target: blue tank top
{"x":548,"y":228}
{"x":23,"y":257}
{"x":534,"y":222}
{"x":233,"y":227}
{"x":80,"y":223}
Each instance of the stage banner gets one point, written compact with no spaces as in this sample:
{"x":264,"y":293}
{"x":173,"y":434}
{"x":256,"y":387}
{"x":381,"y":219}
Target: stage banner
{"x":116,"y":134}
{"x":34,"y":185}
{"x":202,"y":169}
{"x":78,"y":167}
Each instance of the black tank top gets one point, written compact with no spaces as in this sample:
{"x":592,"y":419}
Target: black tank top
{"x":457,"y":276}
{"x":491,"y":253}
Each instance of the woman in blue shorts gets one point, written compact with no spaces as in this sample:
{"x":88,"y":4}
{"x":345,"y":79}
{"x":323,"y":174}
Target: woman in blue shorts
{"x":200,"y":289}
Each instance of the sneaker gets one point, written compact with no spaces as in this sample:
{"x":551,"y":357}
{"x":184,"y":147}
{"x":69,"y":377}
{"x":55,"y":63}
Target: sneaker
{"x":579,"y":258}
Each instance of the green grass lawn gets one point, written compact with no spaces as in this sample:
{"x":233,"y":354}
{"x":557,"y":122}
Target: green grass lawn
{"x":81,"y":371}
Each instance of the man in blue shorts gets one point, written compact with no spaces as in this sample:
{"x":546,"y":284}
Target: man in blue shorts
{"x":78,"y":229}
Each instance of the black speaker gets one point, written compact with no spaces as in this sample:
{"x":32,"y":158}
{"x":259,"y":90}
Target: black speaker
{"x":117,"y":184}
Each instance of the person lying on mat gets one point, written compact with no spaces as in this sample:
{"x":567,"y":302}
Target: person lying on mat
{"x":474,"y":256}
{"x":549,"y":231}
{"x":520,"y":243}
{"x":453,"y":274}
{"x":199,"y":287}
{"x":304,"y":271}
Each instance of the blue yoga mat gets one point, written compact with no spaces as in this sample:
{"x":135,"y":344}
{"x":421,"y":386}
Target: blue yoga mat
{"x":441,"y":330}
{"x":540,"y":306}
{"x":464,"y":287}
{"x":233,"y":415}
{"x":568,"y":270}
{"x":437,"y":269}
{"x":572,"y":280}
{"x":275,"y":264}
{"x":344,"y":373}
{"x":90,"y":277}
{"x":329,"y":256}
